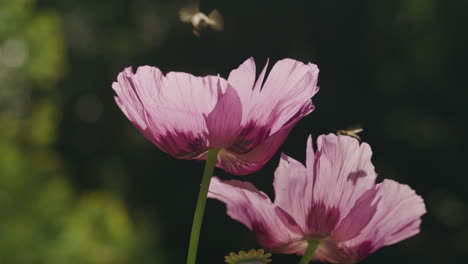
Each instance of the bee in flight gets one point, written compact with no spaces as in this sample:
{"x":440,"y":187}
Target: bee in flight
{"x":352,"y":132}
{"x":200,"y":21}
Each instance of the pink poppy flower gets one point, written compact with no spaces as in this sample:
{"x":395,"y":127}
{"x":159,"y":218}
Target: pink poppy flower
{"x":247,"y":119}
{"x":333,"y":200}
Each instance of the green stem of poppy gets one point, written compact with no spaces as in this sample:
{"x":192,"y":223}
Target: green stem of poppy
{"x":200,"y":209}
{"x":310,"y":251}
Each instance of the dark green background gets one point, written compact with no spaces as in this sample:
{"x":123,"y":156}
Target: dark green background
{"x":397,"y":68}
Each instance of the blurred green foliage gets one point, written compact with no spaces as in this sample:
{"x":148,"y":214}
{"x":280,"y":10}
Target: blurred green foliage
{"x":43,"y":218}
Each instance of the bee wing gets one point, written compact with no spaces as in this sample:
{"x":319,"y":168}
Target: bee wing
{"x":216,"y":21}
{"x":356,"y":136}
{"x":341,"y":132}
{"x":357,"y":130}
{"x":186,"y":13}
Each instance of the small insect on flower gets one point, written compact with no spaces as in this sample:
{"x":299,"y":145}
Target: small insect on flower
{"x":200,"y":21}
{"x":351,"y":132}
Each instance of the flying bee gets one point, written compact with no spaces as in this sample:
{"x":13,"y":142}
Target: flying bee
{"x":352,"y":132}
{"x":200,"y":21}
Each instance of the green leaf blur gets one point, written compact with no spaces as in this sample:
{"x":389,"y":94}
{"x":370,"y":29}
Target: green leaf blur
{"x":43,"y":217}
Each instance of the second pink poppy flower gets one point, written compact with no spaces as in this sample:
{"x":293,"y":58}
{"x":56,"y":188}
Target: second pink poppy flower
{"x":332,"y":201}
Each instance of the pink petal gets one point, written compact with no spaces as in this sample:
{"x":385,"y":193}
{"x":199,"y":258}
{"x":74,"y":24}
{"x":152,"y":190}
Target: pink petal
{"x":288,"y":89}
{"x":342,"y":172}
{"x":128,"y":99}
{"x":262,"y":147}
{"x":293,"y":189}
{"x":147,"y":83}
{"x":223,"y":123}
{"x":288,"y":221}
{"x":358,"y":218}
{"x":248,"y":162}
{"x":243,"y":79}
{"x":130,"y":102}
{"x":330,"y":252}
{"x":254,"y":209}
{"x":190,"y":94}
{"x":322,"y":219}
{"x":232,"y":164}
{"x":163,"y":108}
{"x":398,"y":216}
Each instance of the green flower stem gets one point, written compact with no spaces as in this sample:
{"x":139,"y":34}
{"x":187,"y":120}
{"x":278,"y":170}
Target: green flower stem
{"x":313,"y":244}
{"x":200,"y":209}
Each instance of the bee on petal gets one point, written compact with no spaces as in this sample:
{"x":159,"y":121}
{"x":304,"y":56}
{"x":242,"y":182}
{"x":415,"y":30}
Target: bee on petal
{"x":200,"y":21}
{"x":352,"y":132}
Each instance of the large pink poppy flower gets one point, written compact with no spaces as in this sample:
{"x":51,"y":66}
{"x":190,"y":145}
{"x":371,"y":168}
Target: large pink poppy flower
{"x":333,"y":200}
{"x":247,"y":119}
